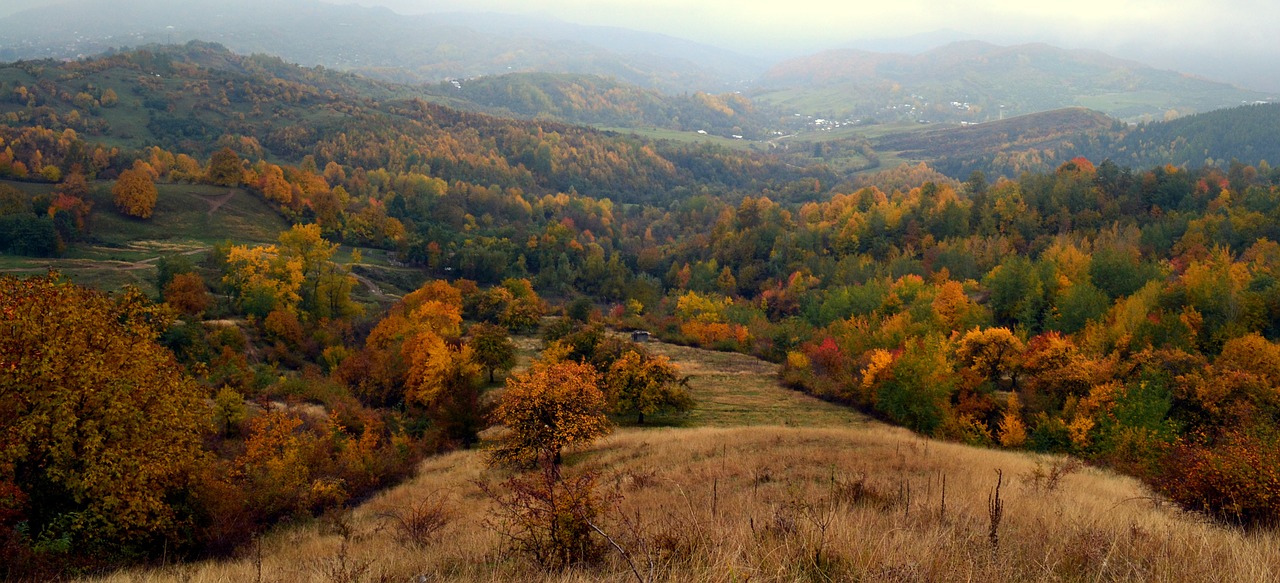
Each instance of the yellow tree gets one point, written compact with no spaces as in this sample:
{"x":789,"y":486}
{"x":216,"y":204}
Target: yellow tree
{"x":553,"y":405}
{"x":99,"y":425}
{"x":135,"y":193}
{"x":444,"y":379}
{"x":297,"y":273}
{"x":262,"y":279}
{"x":326,"y":285}
{"x":1013,"y":433}
{"x":993,"y":353}
{"x":435,"y":368}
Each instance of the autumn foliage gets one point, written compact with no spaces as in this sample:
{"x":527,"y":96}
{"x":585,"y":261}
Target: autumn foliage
{"x":99,"y":426}
{"x":187,"y":293}
{"x":135,"y":193}
{"x":639,"y":384}
{"x":1126,"y":316}
{"x":554,"y":405}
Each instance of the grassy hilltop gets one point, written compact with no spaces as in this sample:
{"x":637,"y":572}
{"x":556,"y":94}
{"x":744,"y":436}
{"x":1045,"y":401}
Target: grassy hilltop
{"x":806,"y":492}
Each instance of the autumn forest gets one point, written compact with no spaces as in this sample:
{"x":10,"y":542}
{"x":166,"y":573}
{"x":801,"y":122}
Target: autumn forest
{"x":433,"y":279}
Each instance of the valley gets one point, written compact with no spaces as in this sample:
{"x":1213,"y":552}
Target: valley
{"x":340,"y":293}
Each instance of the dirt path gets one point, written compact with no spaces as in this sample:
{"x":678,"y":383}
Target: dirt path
{"x":71,"y":265}
{"x":215,"y":203}
{"x":369,"y":283}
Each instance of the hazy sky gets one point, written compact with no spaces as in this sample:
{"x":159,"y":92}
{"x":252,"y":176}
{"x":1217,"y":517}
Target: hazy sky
{"x":1227,"y":26}
{"x":1230,"y":40}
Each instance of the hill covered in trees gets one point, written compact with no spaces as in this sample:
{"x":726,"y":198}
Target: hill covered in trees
{"x":200,"y":97}
{"x":1040,"y":142}
{"x":600,"y":101}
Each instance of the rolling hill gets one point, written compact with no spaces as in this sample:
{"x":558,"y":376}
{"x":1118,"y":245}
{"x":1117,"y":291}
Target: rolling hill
{"x":602,"y":101}
{"x":1028,"y":131}
{"x":810,"y":492}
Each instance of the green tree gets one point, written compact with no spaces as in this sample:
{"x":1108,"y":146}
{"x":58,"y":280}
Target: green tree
{"x":640,"y":385}
{"x":493,"y":348}
{"x":229,"y":409}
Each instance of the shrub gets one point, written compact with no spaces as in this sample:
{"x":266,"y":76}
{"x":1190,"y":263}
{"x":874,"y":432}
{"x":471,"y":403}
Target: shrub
{"x":1234,"y":477}
{"x":547,"y":519}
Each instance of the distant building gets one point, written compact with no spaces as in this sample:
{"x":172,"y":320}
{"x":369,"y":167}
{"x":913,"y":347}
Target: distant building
{"x":640,"y":336}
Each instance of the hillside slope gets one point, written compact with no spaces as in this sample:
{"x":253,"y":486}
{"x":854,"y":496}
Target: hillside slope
{"x":602,"y":101}
{"x":786,"y":504}
{"x":190,"y":98}
{"x":1041,"y":142}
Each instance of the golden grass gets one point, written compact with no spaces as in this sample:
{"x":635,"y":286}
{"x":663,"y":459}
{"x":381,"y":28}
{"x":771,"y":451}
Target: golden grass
{"x":735,"y":390}
{"x":737,"y":504}
{"x":853,"y":501}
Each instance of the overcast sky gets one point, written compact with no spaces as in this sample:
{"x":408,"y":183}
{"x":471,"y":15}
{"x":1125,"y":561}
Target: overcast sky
{"x":1220,"y":26}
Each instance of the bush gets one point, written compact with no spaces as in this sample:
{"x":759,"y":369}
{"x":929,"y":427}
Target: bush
{"x":915,"y":393}
{"x":1235,"y":477}
{"x":547,"y":519}
{"x":1049,"y":434}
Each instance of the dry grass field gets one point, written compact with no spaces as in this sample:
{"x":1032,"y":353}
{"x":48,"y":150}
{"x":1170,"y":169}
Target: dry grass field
{"x":832,"y":497}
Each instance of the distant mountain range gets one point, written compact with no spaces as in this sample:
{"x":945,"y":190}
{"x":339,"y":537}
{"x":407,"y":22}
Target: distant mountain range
{"x":379,"y":42}
{"x":975,"y":81}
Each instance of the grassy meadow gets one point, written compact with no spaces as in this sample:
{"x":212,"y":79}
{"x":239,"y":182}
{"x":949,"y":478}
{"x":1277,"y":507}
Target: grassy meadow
{"x":118,"y":250}
{"x":188,"y":219}
{"x":763,"y":484}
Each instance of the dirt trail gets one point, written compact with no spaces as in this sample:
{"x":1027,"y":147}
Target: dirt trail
{"x":369,"y":283}
{"x":215,"y":202}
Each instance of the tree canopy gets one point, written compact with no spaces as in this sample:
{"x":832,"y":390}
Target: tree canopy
{"x":98,"y":423}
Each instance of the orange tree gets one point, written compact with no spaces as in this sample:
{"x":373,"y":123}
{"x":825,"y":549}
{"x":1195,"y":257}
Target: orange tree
{"x":134,"y":193}
{"x":187,"y":293}
{"x":555,"y":404}
{"x":225,"y":168}
{"x":99,"y":425}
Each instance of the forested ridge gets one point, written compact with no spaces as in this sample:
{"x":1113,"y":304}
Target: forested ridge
{"x":594,"y":100}
{"x":1125,"y":315}
{"x":1041,"y":142}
